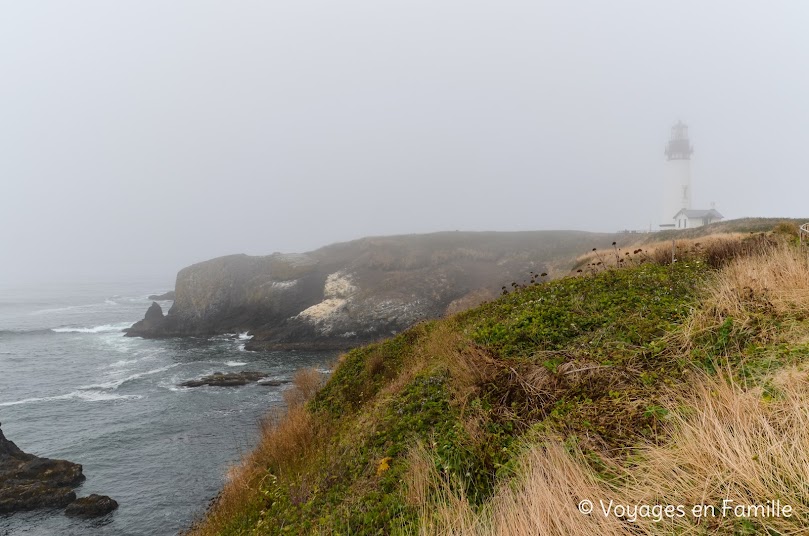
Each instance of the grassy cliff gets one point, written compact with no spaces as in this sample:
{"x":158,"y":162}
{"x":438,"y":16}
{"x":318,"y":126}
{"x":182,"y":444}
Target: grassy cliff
{"x":635,"y":380}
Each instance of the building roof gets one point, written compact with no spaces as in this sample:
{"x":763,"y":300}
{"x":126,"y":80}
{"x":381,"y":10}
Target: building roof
{"x":692,"y":213}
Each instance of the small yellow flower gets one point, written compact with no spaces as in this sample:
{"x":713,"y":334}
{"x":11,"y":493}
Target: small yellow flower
{"x":384,"y":465}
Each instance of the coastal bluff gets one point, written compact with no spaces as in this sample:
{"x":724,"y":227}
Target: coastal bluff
{"x":355,"y":292}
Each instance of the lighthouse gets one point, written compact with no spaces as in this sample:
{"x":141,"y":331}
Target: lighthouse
{"x":677,"y":211}
{"x":677,"y":176}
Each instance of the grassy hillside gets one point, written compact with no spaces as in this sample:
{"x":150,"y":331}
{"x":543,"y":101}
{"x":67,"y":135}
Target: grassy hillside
{"x":635,"y":379}
{"x":741,"y":225}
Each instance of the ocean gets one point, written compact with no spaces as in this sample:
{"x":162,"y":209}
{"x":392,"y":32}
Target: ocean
{"x":73,"y":387}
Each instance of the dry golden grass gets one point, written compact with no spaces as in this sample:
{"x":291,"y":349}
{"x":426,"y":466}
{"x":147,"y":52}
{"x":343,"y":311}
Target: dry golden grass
{"x":771,"y":282}
{"x":736,"y":446}
{"x":287,"y":441}
{"x":728,"y":444}
{"x":776,"y":277}
{"x":306,"y":383}
{"x":656,"y":252}
{"x":543,"y":502}
{"x":724,"y":441}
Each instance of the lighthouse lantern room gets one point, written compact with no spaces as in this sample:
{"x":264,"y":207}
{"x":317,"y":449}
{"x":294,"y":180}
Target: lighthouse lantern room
{"x":677,"y":179}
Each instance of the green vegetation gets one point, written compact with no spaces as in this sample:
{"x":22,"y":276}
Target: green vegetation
{"x":450,"y":409}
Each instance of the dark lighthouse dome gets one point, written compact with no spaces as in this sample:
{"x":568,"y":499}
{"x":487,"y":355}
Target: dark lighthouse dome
{"x":678,"y":147}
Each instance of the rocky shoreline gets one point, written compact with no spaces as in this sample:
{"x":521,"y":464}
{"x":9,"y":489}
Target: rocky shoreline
{"x":28,"y":482}
{"x":353,"y":293}
{"x":166,"y":296}
{"x":231,"y":379}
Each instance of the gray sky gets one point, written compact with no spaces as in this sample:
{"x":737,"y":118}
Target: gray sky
{"x":137,"y":137}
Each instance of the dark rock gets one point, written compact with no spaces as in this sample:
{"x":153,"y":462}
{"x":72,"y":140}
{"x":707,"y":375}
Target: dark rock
{"x":273,"y":383}
{"x":162,"y":297}
{"x":9,"y":450}
{"x":29,"y":495}
{"x":226,"y":379}
{"x":154,"y":313}
{"x":91,"y":506}
{"x":150,"y":323}
{"x":28,"y":481}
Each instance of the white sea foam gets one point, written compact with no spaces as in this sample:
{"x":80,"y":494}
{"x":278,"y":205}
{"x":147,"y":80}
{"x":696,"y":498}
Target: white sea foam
{"x":105,"y":328}
{"x":244,"y":336}
{"x":120,"y":344}
{"x":115,"y":384}
{"x":95,"y":396}
{"x":235,"y":363}
{"x":123,"y":363}
{"x":59,"y":309}
{"x":241,"y":348}
{"x":107,"y":302}
{"x":89,"y":396}
{"x":29,"y":400}
{"x":284,"y":284}
{"x":171,"y":383}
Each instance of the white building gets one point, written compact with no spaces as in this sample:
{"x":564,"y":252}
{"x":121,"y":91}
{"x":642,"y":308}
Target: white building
{"x":677,"y":211}
{"x":688,"y":218}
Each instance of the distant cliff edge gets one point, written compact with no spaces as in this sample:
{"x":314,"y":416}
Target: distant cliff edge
{"x":351,"y":293}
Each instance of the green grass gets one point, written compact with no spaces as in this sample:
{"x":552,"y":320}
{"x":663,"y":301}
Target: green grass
{"x":601,"y":315}
{"x":586,"y":360}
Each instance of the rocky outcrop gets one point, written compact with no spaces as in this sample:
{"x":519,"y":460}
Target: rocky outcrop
{"x":226,"y":379}
{"x":273,"y":383}
{"x":91,"y":506}
{"x":151,"y":324}
{"x":355,"y":292}
{"x":163,"y":297}
{"x":28,"y":482}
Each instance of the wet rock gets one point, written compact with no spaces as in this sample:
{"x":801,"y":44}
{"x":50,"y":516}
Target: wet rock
{"x":28,"y":481}
{"x":91,"y":506}
{"x":29,"y":495}
{"x":154,"y":313}
{"x":151,"y":320}
{"x":273,"y":383}
{"x":226,"y":379}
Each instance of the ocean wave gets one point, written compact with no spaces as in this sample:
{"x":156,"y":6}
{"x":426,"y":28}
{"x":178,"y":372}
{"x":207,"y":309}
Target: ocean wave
{"x":235,"y":363}
{"x":106,"y":303}
{"x":134,"y":299}
{"x":96,"y":329}
{"x":244,"y":336}
{"x":115,"y":384}
{"x":222,"y":337}
{"x":95,"y":396}
{"x":23,"y":332}
{"x":59,"y":309}
{"x":89,"y":396}
{"x":123,"y":363}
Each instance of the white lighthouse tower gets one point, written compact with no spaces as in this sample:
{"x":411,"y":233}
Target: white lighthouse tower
{"x":677,"y":177}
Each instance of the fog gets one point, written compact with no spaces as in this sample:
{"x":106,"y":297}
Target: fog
{"x":137,"y":137}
